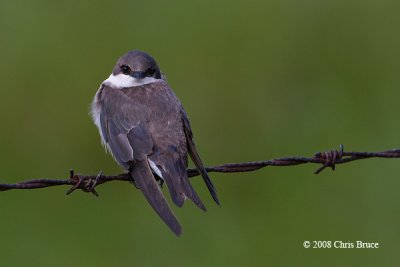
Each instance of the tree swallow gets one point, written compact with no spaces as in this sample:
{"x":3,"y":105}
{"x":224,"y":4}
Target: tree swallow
{"x":144,"y":126}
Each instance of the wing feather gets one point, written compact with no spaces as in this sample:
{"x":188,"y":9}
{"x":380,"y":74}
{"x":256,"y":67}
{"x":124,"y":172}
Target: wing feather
{"x":196,"y":158}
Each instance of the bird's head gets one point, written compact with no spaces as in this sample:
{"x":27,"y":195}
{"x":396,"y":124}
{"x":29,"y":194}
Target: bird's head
{"x":135,"y":68}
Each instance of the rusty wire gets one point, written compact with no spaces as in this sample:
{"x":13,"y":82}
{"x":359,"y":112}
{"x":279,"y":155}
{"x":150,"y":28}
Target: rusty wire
{"x":88,"y":183}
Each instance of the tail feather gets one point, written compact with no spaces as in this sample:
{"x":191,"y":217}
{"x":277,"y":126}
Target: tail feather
{"x":192,"y":195}
{"x":145,"y":180}
{"x":178,"y":184}
{"x":174,"y":189}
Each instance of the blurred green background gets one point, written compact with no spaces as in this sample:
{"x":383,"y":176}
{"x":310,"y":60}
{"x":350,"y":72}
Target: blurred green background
{"x":259,"y":80}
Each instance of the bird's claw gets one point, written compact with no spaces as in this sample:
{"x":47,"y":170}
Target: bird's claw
{"x":160,"y":182}
{"x":134,"y":183}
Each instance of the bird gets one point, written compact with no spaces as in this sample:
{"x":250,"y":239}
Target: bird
{"x":143,"y":124}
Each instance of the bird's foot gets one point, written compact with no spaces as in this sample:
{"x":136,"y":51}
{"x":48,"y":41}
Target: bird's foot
{"x":134,"y":183}
{"x":160,"y":182}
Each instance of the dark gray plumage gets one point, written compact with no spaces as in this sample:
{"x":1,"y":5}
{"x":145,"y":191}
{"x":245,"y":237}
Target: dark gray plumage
{"x":145,"y":127}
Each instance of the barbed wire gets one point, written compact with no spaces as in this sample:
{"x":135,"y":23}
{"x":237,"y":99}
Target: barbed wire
{"x":88,"y":183}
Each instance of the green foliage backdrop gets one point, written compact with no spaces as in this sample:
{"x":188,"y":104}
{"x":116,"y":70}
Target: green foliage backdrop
{"x":259,"y":79}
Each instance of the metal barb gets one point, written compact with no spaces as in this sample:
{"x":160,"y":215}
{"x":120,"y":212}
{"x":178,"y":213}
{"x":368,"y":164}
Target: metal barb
{"x":85,"y":184}
{"x":94,"y":184}
{"x":76,"y":186}
{"x":330,"y":158}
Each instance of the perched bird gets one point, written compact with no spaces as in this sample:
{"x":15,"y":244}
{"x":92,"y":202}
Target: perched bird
{"x":144,"y":126}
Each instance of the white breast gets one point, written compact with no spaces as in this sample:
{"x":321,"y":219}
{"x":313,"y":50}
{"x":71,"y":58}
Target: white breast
{"x":120,"y":81}
{"x":95,"y":112}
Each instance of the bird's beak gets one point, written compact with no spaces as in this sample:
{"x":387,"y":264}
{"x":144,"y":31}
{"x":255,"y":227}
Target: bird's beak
{"x":138,"y":74}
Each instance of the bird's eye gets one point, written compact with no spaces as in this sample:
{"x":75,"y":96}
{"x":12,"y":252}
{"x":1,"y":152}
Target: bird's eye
{"x":150,"y":72}
{"x":125,"y":69}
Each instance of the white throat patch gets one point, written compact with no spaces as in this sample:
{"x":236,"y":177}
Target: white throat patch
{"x":124,"y":81}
